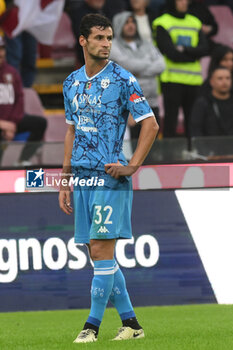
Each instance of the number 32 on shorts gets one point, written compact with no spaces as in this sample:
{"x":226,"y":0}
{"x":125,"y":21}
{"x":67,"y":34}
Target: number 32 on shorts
{"x":99,"y":212}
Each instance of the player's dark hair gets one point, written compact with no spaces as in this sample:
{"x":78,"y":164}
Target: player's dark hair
{"x":219,"y":68}
{"x":93,"y":20}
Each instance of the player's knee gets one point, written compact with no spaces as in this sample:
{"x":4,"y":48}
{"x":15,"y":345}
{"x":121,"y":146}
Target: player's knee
{"x":96,"y":252}
{"x":102,"y":249}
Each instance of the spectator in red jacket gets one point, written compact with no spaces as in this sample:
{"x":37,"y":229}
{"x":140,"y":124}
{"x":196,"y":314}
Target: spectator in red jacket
{"x":13,"y":120}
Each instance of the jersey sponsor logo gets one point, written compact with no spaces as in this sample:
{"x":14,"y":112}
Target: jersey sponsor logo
{"x":132,"y":80}
{"x":105,"y":83}
{"x":82,"y":119}
{"x":136,"y":99}
{"x":92,"y":100}
{"x":103,"y":229}
{"x":87,"y":128}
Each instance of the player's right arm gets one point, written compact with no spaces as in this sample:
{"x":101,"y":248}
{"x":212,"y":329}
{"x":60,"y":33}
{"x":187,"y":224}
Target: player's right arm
{"x":64,"y":195}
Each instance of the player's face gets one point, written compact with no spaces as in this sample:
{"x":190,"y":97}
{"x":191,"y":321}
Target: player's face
{"x":129,"y":29}
{"x":2,"y":55}
{"x":221,"y":81}
{"x":99,"y":43}
{"x":227,"y":61}
{"x":182,"y":5}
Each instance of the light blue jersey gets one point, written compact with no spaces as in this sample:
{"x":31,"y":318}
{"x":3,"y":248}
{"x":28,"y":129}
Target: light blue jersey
{"x":99,"y":107}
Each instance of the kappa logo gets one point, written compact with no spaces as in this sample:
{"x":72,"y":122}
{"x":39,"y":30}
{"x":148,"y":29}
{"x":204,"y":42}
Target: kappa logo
{"x":105,"y":83}
{"x":103,"y":229}
{"x":76,"y":83}
{"x":136,"y":99}
{"x":132,"y":80}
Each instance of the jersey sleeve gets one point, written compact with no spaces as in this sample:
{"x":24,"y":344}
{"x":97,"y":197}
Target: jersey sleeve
{"x":136,"y":102}
{"x":68,"y":112}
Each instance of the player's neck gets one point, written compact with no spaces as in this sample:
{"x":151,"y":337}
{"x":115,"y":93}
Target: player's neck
{"x":93,"y":67}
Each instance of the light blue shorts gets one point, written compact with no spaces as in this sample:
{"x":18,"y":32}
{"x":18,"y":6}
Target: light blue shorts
{"x":103,"y":214}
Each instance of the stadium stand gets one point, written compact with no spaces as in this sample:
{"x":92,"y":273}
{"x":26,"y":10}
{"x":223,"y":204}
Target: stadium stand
{"x":56,"y":127}
{"x":32,"y":102}
{"x":224,"y":17}
{"x":55,"y":64}
{"x":32,"y":106}
{"x":212,"y":148}
{"x":64,"y":40}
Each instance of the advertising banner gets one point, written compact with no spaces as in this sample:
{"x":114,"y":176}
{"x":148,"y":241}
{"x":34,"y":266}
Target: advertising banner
{"x":147,"y":177}
{"x":42,"y":269}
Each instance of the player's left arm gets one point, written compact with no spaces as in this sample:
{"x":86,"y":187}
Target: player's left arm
{"x":149,"y":130}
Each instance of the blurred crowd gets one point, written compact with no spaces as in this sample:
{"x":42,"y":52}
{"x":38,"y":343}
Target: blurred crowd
{"x":161,"y":42}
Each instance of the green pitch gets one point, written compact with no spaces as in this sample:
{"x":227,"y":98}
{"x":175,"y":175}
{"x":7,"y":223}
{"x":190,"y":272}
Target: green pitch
{"x":196,"y":327}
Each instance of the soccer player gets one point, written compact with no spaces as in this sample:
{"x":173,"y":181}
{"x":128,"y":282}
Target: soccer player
{"x":98,"y":99}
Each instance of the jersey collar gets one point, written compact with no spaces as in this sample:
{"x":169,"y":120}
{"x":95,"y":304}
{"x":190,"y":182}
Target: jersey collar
{"x":97,"y":73}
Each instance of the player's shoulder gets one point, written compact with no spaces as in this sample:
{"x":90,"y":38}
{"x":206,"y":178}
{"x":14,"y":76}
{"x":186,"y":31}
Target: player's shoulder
{"x":73,"y":77}
{"x":122,"y":73}
{"x":120,"y":70}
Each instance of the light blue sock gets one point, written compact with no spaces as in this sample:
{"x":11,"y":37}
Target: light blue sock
{"x":119,"y":296}
{"x":101,"y":288}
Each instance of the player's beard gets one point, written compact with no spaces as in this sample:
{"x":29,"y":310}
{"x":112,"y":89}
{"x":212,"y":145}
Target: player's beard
{"x":99,"y":58}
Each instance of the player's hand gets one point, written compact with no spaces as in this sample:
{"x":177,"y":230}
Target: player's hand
{"x":64,"y":200}
{"x":117,"y":170}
